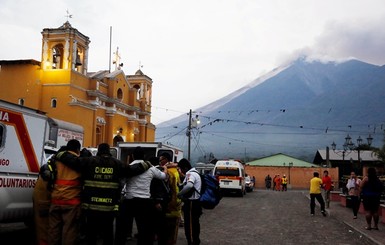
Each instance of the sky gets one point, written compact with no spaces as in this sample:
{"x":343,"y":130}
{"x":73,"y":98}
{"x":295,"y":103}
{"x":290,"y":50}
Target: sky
{"x":197,"y":52}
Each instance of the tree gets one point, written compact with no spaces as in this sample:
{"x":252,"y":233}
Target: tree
{"x":381,"y":153}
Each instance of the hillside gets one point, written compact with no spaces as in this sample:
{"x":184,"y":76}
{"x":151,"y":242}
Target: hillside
{"x":293,"y":110}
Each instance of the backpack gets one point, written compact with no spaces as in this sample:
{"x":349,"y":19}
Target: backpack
{"x":160,"y":189}
{"x":210,"y":194}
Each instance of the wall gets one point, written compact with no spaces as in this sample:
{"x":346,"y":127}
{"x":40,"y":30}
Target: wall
{"x":299,"y":177}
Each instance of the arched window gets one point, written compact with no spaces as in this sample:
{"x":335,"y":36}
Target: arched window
{"x":57,"y":57}
{"x":99,"y":136}
{"x":137,"y":87}
{"x":21,"y":101}
{"x":79,"y":59}
{"x":119,"y":94}
{"x":53,"y":103}
{"x":117,"y":139}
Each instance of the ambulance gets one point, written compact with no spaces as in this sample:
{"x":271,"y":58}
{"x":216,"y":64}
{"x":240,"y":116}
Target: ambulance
{"x":231,"y":176}
{"x":27,"y":138}
{"x":124,"y":150}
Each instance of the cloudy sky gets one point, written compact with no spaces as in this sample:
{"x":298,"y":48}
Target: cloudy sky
{"x":199,"y":51}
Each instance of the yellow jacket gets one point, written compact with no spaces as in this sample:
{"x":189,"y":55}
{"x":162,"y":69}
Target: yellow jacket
{"x":284,"y":180}
{"x":175,"y":205}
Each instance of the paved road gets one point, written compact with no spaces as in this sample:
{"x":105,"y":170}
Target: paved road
{"x":261,"y":217}
{"x":268,"y":217}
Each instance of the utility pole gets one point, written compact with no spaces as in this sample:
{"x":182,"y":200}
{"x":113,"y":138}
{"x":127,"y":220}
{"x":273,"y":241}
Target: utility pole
{"x":327,"y":157}
{"x":189,"y":135}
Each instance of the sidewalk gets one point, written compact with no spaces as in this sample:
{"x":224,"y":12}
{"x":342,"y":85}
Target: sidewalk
{"x":345,"y":215}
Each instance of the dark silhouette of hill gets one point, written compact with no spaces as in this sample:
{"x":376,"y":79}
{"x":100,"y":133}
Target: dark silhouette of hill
{"x":294,"y":110}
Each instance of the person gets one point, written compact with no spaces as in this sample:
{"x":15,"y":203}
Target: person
{"x":174,"y":207}
{"x":137,"y":203}
{"x":192,"y":210}
{"x":353,"y":187}
{"x":370,"y":190}
{"x":160,"y":193}
{"x":268,"y":182}
{"x":284,"y":183}
{"x":65,"y":211}
{"x":181,"y":178}
{"x":326,"y":187}
{"x":278,"y":182}
{"x":274,"y":182}
{"x":101,"y":175}
{"x":41,"y":200}
{"x":315,"y":193}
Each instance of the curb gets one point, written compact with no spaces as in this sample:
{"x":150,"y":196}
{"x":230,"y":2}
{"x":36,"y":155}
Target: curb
{"x":363,"y":234}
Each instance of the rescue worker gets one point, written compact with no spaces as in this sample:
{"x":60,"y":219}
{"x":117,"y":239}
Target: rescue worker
{"x":41,"y":199}
{"x":101,"y":175}
{"x":64,"y":212}
{"x":41,"y":202}
{"x":284,"y":183}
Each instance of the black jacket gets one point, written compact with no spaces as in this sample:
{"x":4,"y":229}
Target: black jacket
{"x":101,"y":177}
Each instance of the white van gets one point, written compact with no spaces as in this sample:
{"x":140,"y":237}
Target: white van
{"x":231,"y":176}
{"x":27,"y":138}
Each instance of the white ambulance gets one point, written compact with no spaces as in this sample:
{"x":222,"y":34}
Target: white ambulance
{"x":24,"y":133}
{"x":124,"y":150}
{"x":231,"y":176}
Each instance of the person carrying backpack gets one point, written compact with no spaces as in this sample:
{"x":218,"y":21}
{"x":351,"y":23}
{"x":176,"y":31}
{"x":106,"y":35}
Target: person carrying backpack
{"x":192,"y":209}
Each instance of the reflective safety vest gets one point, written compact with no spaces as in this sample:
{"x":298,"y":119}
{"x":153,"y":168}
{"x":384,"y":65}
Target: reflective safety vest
{"x":284,"y":180}
{"x":101,"y":188}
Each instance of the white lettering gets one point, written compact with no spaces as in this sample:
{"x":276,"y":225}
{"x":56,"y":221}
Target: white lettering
{"x":4,"y":116}
{"x":17,"y":183}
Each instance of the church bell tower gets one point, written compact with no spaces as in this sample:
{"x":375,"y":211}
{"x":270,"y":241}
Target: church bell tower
{"x":65,"y":48}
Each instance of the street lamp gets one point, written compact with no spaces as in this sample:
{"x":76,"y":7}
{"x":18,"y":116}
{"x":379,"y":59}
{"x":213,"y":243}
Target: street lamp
{"x":349,"y":146}
{"x":334,"y":147}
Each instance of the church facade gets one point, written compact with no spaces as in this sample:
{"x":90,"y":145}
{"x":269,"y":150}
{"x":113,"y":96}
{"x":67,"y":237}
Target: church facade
{"x":109,"y":105}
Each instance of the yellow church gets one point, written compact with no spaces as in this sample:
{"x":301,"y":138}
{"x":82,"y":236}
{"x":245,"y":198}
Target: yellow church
{"x":109,"y":105}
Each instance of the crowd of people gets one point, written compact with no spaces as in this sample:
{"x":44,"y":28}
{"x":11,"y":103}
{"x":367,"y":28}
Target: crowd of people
{"x":79,"y":198}
{"x":368,"y":190}
{"x":89,"y":193}
{"x":279,"y":183}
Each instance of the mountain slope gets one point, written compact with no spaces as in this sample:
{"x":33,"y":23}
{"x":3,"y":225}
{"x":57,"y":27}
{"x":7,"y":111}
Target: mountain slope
{"x":294,"y":110}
